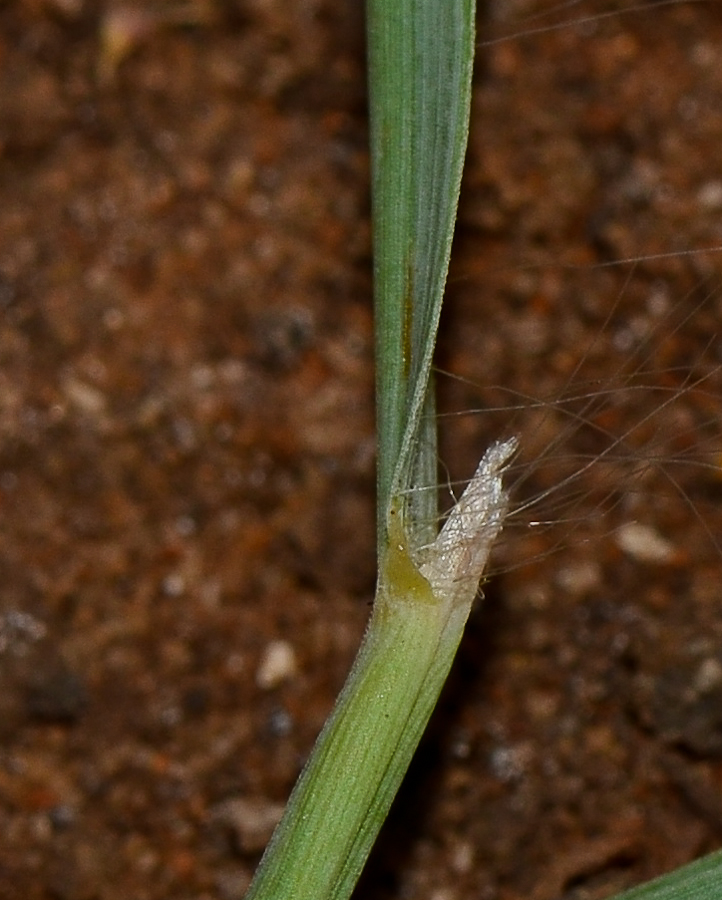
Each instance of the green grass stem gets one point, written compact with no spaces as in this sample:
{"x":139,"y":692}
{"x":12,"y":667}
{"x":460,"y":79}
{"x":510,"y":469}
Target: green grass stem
{"x":345,"y":792}
{"x":420,"y":63}
{"x":346,"y":789}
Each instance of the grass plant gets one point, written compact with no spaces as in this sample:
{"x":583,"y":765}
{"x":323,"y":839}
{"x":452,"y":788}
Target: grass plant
{"x":420,"y":63}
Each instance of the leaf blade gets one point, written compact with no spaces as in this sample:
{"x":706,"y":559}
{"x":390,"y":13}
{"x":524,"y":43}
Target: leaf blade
{"x":420,"y":63}
{"x":698,"y":880}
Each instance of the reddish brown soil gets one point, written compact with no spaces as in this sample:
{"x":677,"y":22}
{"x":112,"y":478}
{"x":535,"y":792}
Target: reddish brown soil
{"x":187,"y":448}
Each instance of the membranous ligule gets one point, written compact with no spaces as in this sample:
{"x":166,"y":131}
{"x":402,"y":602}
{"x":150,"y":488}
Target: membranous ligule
{"x":449,"y":569}
{"x":401,"y":575}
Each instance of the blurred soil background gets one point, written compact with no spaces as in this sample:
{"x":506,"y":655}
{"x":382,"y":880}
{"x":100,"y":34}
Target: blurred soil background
{"x":187,"y":445}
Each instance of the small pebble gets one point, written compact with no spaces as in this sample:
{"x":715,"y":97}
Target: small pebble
{"x":709,"y":675}
{"x":251,"y":820}
{"x":55,"y":695}
{"x":644,"y":543}
{"x":85,"y":397}
{"x":709,"y":195}
{"x":579,"y":579}
{"x":174,"y":585}
{"x":462,"y":858}
{"x":278,"y":664}
{"x":232,"y":882}
{"x":280,"y":723}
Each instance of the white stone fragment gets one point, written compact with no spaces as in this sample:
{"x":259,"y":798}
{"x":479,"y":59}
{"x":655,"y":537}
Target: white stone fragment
{"x":454,"y":563}
{"x":644,"y":543}
{"x":277,"y":665}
